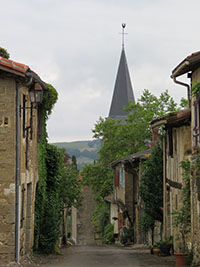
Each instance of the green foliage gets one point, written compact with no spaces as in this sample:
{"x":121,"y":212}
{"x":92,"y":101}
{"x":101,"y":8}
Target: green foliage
{"x":50,"y":97}
{"x":151,"y":188}
{"x":40,"y":198}
{"x":70,"y":187}
{"x":182,"y":216}
{"x":146,"y":222}
{"x":58,"y":186}
{"x":50,"y":227}
{"x":4,"y":53}
{"x":183,"y":103}
{"x":120,"y":140}
{"x":100,"y":178}
{"x":108,"y":234}
{"x":127,"y":236}
{"x":196,"y":89}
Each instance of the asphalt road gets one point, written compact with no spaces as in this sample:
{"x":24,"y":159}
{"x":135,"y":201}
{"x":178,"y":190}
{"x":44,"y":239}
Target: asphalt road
{"x":105,"y":256}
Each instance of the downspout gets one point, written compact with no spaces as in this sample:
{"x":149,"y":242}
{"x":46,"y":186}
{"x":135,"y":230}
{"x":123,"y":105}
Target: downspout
{"x":17,"y":213}
{"x":188,"y":90}
{"x":17,"y":222}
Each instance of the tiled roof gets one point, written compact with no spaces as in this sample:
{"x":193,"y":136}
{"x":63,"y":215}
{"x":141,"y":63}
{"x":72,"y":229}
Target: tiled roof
{"x":23,"y":70}
{"x":133,"y":157}
{"x":177,"y":118}
{"x":109,"y":198}
{"x":13,"y":65}
{"x":190,"y":63}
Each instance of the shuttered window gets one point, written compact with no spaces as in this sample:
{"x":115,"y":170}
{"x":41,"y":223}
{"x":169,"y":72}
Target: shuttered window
{"x":116,"y":178}
{"x":196,"y":129}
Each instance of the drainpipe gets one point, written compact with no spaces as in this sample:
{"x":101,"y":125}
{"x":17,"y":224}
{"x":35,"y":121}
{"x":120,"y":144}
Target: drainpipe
{"x":17,"y":213}
{"x":188,"y":90}
{"x":17,"y":221}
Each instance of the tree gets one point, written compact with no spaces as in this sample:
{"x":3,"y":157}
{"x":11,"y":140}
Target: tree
{"x":4,"y":53}
{"x":119,"y":139}
{"x":151,"y":189}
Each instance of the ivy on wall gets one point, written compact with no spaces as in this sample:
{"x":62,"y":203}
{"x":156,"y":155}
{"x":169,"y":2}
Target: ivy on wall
{"x":58,"y":186}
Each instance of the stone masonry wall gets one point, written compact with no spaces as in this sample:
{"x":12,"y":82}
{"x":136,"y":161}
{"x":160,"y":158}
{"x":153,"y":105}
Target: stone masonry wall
{"x":7,"y":168}
{"x":28,"y":171}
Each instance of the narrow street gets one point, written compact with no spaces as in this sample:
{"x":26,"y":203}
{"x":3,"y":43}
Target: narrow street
{"x":104,"y":256}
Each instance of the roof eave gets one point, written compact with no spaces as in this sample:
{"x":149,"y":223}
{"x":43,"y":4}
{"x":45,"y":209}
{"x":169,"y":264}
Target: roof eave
{"x":180,"y":69}
{"x":7,"y":69}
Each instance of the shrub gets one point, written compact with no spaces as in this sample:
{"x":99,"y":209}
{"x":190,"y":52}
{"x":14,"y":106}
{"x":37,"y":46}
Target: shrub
{"x":108,"y":234}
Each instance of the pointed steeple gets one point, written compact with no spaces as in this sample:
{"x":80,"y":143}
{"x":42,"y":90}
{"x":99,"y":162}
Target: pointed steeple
{"x":123,"y":91}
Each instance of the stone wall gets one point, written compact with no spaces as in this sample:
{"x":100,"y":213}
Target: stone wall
{"x":28,"y":171}
{"x":173,"y":177}
{"x":7,"y":168}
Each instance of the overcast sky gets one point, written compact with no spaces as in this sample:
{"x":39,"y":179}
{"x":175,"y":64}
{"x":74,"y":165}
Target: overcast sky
{"x":75,"y":45}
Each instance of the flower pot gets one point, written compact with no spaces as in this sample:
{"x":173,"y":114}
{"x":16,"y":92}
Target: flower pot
{"x":181,"y":259}
{"x":165,"y":249}
{"x":156,"y":251}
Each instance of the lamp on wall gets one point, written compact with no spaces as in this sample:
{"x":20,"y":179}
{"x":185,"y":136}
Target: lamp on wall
{"x":36,"y":94}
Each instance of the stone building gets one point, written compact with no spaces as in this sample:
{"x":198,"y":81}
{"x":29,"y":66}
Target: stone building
{"x":191,"y":67}
{"x":126,"y":199}
{"x":176,"y":148}
{"x":20,"y":92}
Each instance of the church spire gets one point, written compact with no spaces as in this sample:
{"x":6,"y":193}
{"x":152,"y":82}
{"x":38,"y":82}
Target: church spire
{"x":123,"y":91}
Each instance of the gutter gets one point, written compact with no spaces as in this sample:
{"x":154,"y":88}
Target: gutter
{"x":188,"y":89}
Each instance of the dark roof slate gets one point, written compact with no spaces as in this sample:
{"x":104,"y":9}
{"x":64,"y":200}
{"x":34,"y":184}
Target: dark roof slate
{"x":123,"y":91}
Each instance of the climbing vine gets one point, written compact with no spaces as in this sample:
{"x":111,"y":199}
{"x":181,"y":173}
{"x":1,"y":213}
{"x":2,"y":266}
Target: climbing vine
{"x":182,"y":216}
{"x":151,"y":189}
{"x":58,"y":187}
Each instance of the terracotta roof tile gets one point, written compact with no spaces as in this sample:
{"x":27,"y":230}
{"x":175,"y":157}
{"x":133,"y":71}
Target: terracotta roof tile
{"x":13,"y":65}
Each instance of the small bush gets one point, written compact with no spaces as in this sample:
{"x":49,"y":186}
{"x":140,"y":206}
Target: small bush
{"x":108,"y":234}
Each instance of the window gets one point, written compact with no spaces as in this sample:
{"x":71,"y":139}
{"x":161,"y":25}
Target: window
{"x":27,"y":148}
{"x":24,"y":115}
{"x":31,"y":122}
{"x":170,"y":142}
{"x":121,"y":177}
{"x":116,"y":178}
{"x":196,"y":129}
{"x":22,"y":207}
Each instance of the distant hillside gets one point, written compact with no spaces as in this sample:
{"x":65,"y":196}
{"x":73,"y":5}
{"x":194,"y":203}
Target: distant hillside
{"x":84,"y":151}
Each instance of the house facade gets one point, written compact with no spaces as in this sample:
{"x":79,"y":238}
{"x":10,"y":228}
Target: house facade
{"x":126,"y":206}
{"x":20,"y":92}
{"x":176,"y":148}
{"x":191,"y":67}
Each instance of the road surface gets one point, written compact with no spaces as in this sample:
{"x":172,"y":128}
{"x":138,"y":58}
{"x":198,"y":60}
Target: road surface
{"x":104,"y":256}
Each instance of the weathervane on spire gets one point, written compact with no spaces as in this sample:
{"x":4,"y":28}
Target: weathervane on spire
{"x":123,"y":33}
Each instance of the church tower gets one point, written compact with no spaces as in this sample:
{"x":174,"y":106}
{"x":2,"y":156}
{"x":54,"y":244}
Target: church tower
{"x":123,"y":91}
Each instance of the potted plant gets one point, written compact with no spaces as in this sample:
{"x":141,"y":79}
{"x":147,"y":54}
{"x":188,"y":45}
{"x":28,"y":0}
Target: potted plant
{"x":165,"y":246}
{"x":182,"y":217}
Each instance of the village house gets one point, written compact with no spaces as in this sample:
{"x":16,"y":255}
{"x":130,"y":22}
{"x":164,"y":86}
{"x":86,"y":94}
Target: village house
{"x":191,"y":66}
{"x":21,"y":91}
{"x":176,"y":148}
{"x":126,"y":206}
